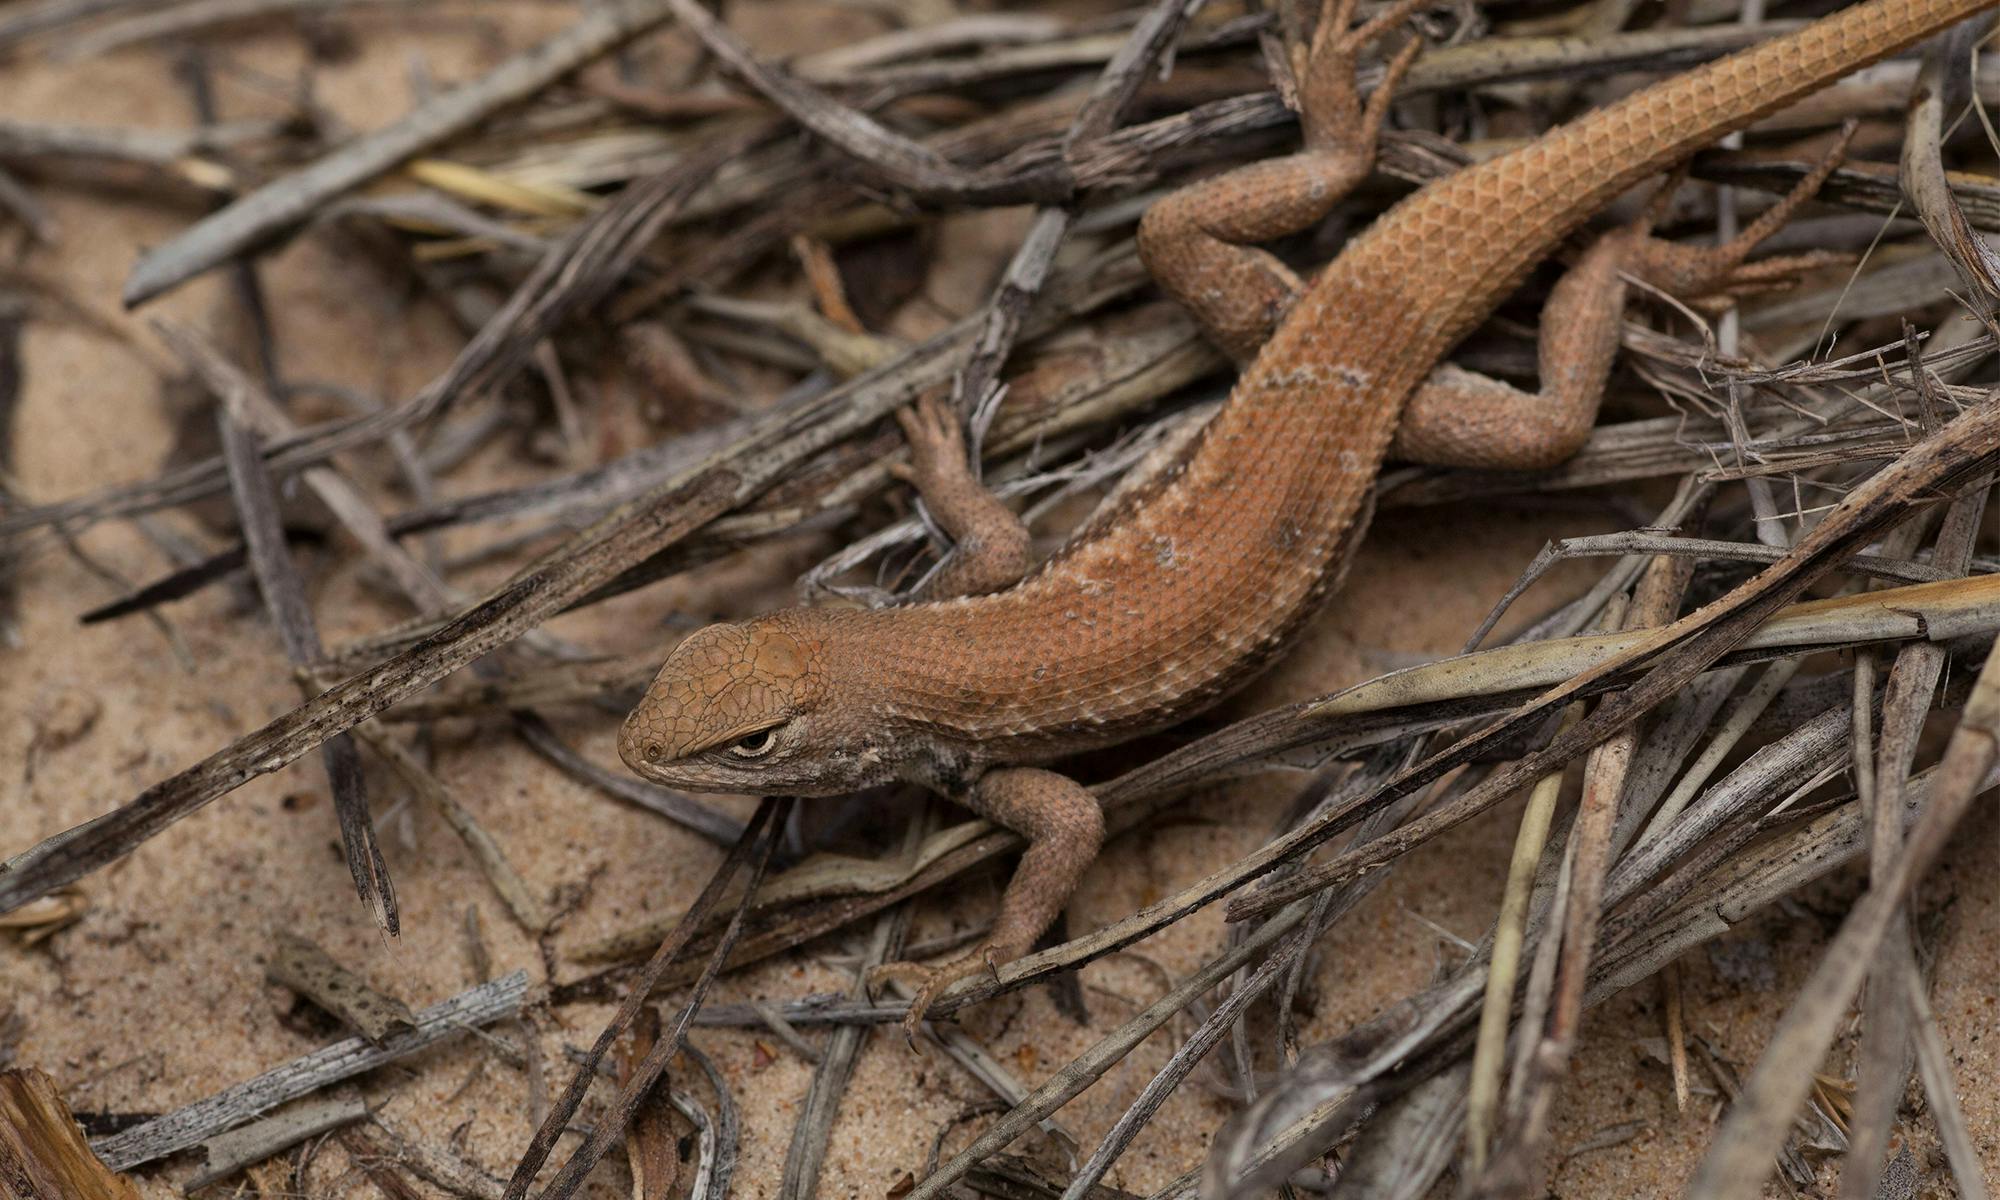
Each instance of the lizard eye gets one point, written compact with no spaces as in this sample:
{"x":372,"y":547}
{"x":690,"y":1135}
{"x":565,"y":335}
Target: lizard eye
{"x":755,"y":745}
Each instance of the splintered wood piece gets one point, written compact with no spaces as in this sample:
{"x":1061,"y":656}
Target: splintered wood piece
{"x":42,"y":1152}
{"x":311,"y":972}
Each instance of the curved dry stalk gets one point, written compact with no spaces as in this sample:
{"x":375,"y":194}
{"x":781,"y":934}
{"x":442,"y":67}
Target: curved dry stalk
{"x":1510,"y":930}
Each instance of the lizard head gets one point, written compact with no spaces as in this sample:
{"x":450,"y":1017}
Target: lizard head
{"x":737,"y":708}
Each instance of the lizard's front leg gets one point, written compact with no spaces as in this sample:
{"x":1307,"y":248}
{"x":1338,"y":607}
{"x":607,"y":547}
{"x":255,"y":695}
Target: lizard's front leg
{"x":1196,"y":242}
{"x":990,"y":543}
{"x":1064,"y":827}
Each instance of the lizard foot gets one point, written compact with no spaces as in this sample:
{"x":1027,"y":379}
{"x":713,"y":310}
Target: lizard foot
{"x":929,"y":981}
{"x":1330,"y":109}
{"x":1712,"y":271}
{"x":937,"y":445}
{"x":1780,"y":272}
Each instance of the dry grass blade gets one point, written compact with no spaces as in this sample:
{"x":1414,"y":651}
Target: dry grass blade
{"x":228,"y":1153}
{"x":249,"y":222}
{"x":1890,"y":1019}
{"x":1889,"y":1039}
{"x":1941,"y":1084}
{"x":1715,"y":824}
{"x":302,"y":966}
{"x":20,"y":203}
{"x":650,"y":1142}
{"x":904,"y":164}
{"x":196,"y":15}
{"x":372,"y":1161}
{"x":439,"y":1165}
{"x":253,"y":407}
{"x":725,"y":1132}
{"x":12,"y":319}
{"x":834,"y":1067}
{"x":973,"y":389}
{"x":180,"y":156}
{"x":1337,"y":1083}
{"x":227,"y":1109}
{"x":1087,"y":1068}
{"x":575,"y":273}
{"x":1510,"y":931}
{"x":1738,"y":1160}
{"x":686,"y":811}
{"x":1189,"y":1056}
{"x":1964,"y":448}
{"x":1282,"y":965}
{"x":1405,"y":1149}
{"x":514,"y":892}
{"x":41,"y":16}
{"x":1550,"y":1027}
{"x":285,"y":600}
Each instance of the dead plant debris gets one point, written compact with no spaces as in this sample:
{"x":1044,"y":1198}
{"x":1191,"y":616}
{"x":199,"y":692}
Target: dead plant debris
{"x":690,"y":262}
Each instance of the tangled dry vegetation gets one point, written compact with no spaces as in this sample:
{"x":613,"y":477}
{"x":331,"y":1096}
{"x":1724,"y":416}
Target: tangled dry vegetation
{"x":683,"y":271}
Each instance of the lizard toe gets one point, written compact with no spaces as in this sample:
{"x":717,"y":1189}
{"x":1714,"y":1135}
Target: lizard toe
{"x":930,"y":982}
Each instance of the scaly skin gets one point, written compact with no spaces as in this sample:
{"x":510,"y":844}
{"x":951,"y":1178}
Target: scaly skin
{"x":1161,"y":613}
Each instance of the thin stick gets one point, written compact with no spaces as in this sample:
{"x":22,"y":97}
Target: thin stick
{"x":973,"y":388}
{"x":643,"y":1079}
{"x":832,"y":1069}
{"x":231,"y":1107}
{"x":283,"y":203}
{"x":1067,"y":1083}
{"x":1677,"y":1052}
{"x":285,"y":599}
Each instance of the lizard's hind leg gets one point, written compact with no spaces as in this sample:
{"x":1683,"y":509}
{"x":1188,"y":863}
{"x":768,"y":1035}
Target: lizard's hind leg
{"x":1196,"y":242}
{"x":1457,"y":418}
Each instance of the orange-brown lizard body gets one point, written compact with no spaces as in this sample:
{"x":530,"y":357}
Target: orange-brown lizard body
{"x":1208,"y":570}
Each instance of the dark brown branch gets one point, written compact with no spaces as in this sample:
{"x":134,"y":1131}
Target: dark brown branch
{"x":762,"y":833}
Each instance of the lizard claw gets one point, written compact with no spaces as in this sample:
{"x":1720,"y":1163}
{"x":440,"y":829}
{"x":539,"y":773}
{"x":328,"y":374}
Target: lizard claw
{"x":930,"y":982}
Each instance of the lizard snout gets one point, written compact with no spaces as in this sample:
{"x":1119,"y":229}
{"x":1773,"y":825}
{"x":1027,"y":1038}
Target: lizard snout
{"x":640,"y":743}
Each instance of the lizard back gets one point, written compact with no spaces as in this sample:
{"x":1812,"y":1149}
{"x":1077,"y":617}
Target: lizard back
{"x":1194,"y":590}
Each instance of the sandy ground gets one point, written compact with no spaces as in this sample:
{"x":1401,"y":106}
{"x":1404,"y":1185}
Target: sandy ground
{"x":158,"y":996}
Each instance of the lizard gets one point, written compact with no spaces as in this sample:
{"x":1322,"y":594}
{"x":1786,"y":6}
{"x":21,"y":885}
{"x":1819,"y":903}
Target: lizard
{"x":1199,"y":576}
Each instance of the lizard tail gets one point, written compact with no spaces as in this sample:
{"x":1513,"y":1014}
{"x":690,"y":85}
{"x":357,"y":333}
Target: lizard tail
{"x":1555,"y":184}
